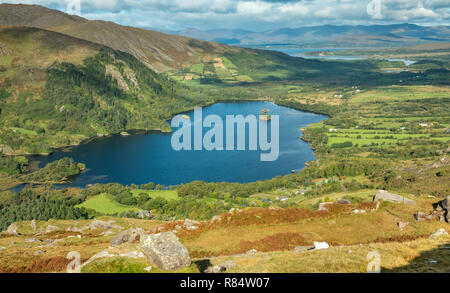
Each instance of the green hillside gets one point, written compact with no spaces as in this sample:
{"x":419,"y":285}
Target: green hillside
{"x":57,"y":90}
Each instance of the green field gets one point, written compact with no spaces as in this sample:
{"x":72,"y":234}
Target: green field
{"x":401,"y":93}
{"x":104,"y":204}
{"x":166,"y":194}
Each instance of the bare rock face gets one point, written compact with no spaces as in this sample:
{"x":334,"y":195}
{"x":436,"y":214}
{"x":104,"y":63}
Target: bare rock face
{"x":165,"y":251}
{"x":129,"y":235}
{"x":390,"y":197}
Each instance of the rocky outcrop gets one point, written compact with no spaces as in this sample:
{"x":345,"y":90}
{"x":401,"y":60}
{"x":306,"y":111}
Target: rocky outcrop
{"x":402,"y":225}
{"x":321,"y":245}
{"x":438,"y":234}
{"x":444,"y":206}
{"x":440,"y":212}
{"x":344,"y":202}
{"x":301,"y":249}
{"x":191,"y":224}
{"x":51,"y":229}
{"x":229,"y":264}
{"x":323,"y":206}
{"x":12,"y":229}
{"x":422,"y":217}
{"x":129,"y":235}
{"x":383,"y":195}
{"x":97,"y":224}
{"x":33,"y":225}
{"x":165,"y":251}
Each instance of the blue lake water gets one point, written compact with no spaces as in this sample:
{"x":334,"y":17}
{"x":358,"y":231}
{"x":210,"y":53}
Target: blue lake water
{"x":299,"y":52}
{"x":143,"y":158}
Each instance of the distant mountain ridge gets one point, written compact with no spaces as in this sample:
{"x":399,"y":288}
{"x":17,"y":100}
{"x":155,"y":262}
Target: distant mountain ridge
{"x":159,"y":51}
{"x":395,"y":35}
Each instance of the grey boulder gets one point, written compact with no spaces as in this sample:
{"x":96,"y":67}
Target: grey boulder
{"x":165,"y":251}
{"x":12,"y":229}
{"x":391,"y":197}
{"x":129,"y":235}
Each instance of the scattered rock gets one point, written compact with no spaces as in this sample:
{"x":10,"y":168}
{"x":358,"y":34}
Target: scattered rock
{"x":323,"y":206}
{"x":133,"y":254}
{"x":165,"y":251}
{"x":33,"y":225}
{"x":438,"y":233}
{"x":215,"y":270}
{"x":445,"y":205}
{"x":233,"y":210}
{"x":97,"y":224}
{"x":32,"y":240}
{"x":356,"y":211}
{"x":390,"y":197}
{"x":344,"y":201}
{"x":51,"y":229}
{"x":107,"y":233}
{"x":422,"y":217}
{"x":216,"y":219}
{"x":12,"y":229}
{"x":402,"y":225}
{"x":148,"y":269}
{"x":129,"y":235}
{"x":221,"y":268}
{"x":77,"y":230}
{"x":301,"y":249}
{"x":321,"y":245}
{"x":102,"y":254}
{"x":191,"y":224}
{"x":251,"y":252}
{"x":229,"y":264}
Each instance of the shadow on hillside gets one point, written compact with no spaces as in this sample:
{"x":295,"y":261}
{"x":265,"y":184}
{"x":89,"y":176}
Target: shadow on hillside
{"x":431,"y":261}
{"x":203,"y":265}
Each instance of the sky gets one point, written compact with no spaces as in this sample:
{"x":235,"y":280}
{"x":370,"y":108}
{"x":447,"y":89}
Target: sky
{"x":255,"y":15}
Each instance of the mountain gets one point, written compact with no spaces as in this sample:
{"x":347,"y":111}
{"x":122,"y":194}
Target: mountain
{"x":57,"y":90}
{"x":161,"y":52}
{"x":329,"y":36}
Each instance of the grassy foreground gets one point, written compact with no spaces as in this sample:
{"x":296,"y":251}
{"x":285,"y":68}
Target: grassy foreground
{"x":274,"y":233}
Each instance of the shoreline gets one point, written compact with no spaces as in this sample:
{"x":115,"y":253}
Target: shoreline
{"x":159,"y":131}
{"x":34,"y":158}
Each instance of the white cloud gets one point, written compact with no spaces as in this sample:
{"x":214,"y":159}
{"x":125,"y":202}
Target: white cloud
{"x":254,"y":14}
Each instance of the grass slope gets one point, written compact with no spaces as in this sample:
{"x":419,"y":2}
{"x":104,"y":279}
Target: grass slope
{"x":104,"y":204}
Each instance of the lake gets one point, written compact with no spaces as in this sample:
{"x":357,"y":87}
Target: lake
{"x":143,"y":158}
{"x":300,"y":52}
